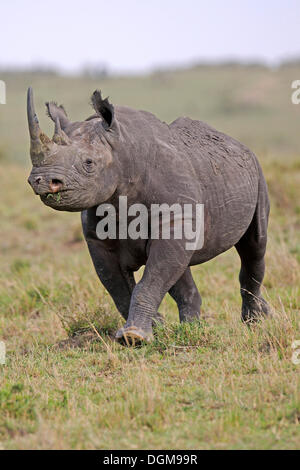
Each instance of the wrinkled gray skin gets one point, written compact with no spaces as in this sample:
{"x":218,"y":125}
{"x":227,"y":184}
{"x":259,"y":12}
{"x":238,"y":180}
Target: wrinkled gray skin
{"x":122,"y":151}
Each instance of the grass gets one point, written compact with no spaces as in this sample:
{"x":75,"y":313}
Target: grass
{"x":215,"y":384}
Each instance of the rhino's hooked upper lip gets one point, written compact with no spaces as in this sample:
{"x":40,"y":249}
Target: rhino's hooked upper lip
{"x":56,"y":200}
{"x":56,"y":196}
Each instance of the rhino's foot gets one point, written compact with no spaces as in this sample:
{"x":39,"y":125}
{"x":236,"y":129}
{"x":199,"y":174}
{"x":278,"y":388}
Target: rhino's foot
{"x":158,"y":319}
{"x":189,"y":316}
{"x":255,"y":310}
{"x":133,"y":336}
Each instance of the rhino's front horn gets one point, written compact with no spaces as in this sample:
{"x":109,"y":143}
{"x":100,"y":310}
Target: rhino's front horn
{"x":38,"y":140}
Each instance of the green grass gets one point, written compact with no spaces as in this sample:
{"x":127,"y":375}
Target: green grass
{"x":213,"y":384}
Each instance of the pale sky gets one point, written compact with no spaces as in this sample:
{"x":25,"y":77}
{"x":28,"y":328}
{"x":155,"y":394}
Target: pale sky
{"x":138,"y":35}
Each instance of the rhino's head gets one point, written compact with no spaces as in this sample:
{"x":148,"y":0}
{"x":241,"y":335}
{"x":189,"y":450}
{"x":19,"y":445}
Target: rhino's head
{"x":76,"y":169}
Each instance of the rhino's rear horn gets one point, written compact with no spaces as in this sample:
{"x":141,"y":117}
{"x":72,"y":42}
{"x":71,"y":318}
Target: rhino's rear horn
{"x":60,"y":137}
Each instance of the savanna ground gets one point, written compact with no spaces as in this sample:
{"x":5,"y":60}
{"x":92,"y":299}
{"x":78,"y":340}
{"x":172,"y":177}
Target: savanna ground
{"x":214,"y":384}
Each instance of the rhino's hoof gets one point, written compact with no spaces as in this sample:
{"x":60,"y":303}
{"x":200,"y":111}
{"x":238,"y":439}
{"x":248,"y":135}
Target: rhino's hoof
{"x":133,"y":336}
{"x":158,"y":320}
{"x":253,"y":314}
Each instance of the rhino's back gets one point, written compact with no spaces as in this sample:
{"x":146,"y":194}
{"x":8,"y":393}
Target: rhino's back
{"x":202,"y":141}
{"x":229,"y":178}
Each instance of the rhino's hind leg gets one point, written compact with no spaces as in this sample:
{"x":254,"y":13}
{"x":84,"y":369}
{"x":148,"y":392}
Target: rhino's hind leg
{"x":187,"y":297}
{"x":254,"y":306}
{"x":252,"y":248}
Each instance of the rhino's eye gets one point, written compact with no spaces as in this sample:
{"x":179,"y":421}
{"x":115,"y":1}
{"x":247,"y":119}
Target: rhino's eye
{"x":89,"y":164}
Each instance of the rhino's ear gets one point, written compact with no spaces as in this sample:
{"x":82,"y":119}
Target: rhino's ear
{"x":57,"y":112}
{"x":104,"y":109}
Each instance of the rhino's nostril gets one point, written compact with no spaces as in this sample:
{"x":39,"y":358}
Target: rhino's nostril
{"x":55,"y":181}
{"x":38,"y":179}
{"x":55,"y":185}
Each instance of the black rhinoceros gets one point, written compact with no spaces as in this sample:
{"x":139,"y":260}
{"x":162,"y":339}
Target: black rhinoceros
{"x":120,"y":152}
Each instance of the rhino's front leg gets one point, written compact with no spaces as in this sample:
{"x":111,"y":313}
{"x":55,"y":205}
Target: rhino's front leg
{"x":119,"y":284}
{"x":106,"y":261}
{"x":167,"y":261}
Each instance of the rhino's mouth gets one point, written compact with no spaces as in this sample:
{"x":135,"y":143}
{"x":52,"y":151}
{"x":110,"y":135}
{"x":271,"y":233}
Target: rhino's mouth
{"x":54,"y":198}
{"x":64,"y":201}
